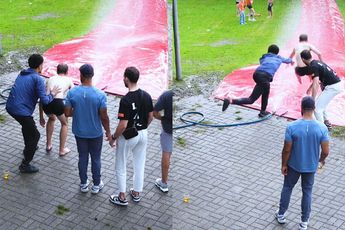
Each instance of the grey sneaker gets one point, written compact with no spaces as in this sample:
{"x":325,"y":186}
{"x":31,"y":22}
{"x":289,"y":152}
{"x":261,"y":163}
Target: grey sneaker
{"x":162,"y":186}
{"x":303,"y":226}
{"x":85,"y":187}
{"x":96,"y":188}
{"x":280,"y":218}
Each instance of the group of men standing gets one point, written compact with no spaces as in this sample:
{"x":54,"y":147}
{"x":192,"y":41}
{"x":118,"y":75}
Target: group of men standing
{"x":88,"y":107}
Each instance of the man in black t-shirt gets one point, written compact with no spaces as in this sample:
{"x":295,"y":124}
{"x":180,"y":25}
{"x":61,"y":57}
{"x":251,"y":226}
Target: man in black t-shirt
{"x":329,"y":82}
{"x":163,"y":112}
{"x":135,"y":111}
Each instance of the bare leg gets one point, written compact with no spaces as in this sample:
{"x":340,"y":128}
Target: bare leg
{"x":122,"y":195}
{"x":50,"y":130}
{"x":165,"y":166}
{"x":63,"y":135}
{"x":252,"y":14}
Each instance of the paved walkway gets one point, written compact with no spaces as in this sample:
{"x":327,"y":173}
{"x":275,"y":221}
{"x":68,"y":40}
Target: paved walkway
{"x":31,"y":201}
{"x":232,"y":177}
{"x":233,"y":174}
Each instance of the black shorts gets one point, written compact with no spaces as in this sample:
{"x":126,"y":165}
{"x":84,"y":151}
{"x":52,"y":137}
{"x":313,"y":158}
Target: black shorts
{"x":56,"y":107}
{"x":262,"y":77}
{"x":270,"y":5}
{"x":249,"y":6}
{"x":302,"y":71}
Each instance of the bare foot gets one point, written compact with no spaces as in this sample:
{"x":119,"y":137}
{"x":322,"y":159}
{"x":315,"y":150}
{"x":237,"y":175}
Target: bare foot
{"x":64,"y":152}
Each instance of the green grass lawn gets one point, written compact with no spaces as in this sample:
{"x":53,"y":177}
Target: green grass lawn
{"x":212,"y":39}
{"x":43,"y":23}
{"x":341,"y":5}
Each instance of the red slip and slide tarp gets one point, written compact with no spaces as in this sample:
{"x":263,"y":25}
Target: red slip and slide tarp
{"x":324,"y":24}
{"x":135,"y":33}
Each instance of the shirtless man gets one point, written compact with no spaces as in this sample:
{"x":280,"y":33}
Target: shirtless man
{"x":301,"y":68}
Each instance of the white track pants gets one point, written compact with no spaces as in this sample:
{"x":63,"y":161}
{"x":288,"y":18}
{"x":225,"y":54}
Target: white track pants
{"x":325,"y":98}
{"x":136,"y":145}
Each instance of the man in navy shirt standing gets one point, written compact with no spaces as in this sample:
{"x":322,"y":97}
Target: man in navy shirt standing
{"x":300,"y":158}
{"x":163,"y":112}
{"x":27,"y":89}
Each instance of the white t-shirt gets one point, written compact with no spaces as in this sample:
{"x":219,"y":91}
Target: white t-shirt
{"x":63,"y":82}
{"x":298,"y":50}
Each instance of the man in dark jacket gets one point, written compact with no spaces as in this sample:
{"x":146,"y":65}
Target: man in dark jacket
{"x":263,"y":75}
{"x":27,"y":89}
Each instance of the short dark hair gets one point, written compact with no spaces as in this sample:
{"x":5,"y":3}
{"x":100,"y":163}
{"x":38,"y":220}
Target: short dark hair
{"x":273,"y":49}
{"x":303,"y":38}
{"x":62,"y":69}
{"x":307,"y":103}
{"x":132,"y":74}
{"x":35,"y":60}
{"x":305,"y":54}
{"x":86,"y":71}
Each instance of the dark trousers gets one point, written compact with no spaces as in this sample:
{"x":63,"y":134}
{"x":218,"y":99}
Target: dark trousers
{"x":262,"y":88}
{"x":31,"y":136}
{"x":290,"y":181}
{"x":92,"y":146}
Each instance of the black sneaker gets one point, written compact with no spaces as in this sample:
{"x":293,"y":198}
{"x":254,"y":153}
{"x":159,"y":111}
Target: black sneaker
{"x":226,"y":104}
{"x":328,"y":124}
{"x":264,"y":114}
{"x":28,"y":168}
{"x":116,"y":200}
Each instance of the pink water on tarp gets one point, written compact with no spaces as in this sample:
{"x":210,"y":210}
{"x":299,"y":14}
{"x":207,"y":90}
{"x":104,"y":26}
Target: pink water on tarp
{"x":134,"y":34}
{"x":324,"y":24}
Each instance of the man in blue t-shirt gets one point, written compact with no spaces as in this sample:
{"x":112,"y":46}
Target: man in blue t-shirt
{"x":21,"y":103}
{"x":88,"y":106}
{"x":301,"y":157}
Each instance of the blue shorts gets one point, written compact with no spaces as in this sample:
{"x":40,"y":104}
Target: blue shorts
{"x":166,"y":142}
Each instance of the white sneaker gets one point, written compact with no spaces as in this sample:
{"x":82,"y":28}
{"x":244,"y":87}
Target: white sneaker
{"x":280,"y":218}
{"x":85,"y":187}
{"x":162,"y":186}
{"x":96,"y":188}
{"x":116,"y":200}
{"x":303,"y":226}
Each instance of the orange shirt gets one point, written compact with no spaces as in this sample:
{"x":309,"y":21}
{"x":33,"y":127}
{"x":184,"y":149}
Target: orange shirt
{"x":248,"y":2}
{"x":241,"y":6}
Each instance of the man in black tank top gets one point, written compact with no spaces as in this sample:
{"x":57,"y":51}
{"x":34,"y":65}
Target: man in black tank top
{"x":330,"y":84}
{"x":136,"y":111}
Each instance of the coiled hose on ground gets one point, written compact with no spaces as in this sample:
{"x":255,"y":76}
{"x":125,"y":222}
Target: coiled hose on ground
{"x":189,"y":123}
